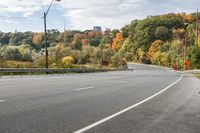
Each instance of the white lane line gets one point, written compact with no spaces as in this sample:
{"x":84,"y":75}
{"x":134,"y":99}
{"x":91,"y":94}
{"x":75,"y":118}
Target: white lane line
{"x":121,"y":82}
{"x":2,"y":100}
{"x":85,"y":88}
{"x":125,"y":110}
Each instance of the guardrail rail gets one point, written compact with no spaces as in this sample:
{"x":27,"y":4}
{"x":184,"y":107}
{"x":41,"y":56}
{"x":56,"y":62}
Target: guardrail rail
{"x":38,"y":71}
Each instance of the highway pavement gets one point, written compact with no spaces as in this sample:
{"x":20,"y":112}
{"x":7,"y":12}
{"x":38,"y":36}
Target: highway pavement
{"x":147,"y":100}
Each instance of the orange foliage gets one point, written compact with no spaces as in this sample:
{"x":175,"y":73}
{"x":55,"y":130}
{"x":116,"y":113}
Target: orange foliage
{"x":186,"y":17}
{"x":37,"y":38}
{"x":187,"y":64}
{"x":154,"y":48}
{"x":116,"y":41}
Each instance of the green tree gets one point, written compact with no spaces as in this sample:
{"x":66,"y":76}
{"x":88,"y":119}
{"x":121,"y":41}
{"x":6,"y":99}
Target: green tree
{"x":195,"y":57}
{"x":12,"y":53}
{"x":162,"y":33}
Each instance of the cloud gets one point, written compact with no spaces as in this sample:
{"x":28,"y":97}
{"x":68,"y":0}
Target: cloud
{"x":106,"y":13}
{"x":84,"y":14}
{"x":25,"y":7}
{"x":116,"y":13}
{"x":9,"y":21}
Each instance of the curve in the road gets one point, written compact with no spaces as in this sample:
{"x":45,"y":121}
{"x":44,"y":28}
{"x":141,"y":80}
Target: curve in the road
{"x":125,"y":110}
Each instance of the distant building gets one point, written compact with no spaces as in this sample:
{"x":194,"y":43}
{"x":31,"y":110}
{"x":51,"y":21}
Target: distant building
{"x":97,"y":29}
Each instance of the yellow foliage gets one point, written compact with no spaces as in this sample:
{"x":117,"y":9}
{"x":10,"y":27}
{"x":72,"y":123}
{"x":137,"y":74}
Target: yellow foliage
{"x":199,"y":40}
{"x":107,"y":46}
{"x":154,"y":47}
{"x":67,"y":61}
{"x":60,"y":46}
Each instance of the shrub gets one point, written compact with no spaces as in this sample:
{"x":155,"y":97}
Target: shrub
{"x":68,"y":61}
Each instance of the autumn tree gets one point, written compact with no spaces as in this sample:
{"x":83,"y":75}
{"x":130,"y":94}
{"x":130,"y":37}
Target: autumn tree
{"x":154,"y":48}
{"x":76,"y":43}
{"x":117,"y":41}
{"x":37,"y":38}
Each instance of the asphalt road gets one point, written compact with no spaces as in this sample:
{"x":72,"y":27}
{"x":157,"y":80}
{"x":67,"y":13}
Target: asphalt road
{"x":146,"y":100}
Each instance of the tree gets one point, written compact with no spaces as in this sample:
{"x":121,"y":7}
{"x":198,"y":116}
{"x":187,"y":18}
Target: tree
{"x":117,"y":42}
{"x":76,"y":43}
{"x":16,"y":38}
{"x":114,"y":32}
{"x":195,"y":57}
{"x":155,"y":46}
{"x":162,"y":33}
{"x":37,"y":38}
{"x":144,"y":32}
{"x":25,"y":52}
{"x":94,"y":42}
{"x":12,"y":53}
{"x":106,"y":39}
{"x":125,"y":31}
{"x":4,"y":38}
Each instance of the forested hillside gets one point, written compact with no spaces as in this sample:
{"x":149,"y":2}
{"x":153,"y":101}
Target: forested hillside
{"x":167,"y":40}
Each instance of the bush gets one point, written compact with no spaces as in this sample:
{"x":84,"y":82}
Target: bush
{"x":67,"y":61}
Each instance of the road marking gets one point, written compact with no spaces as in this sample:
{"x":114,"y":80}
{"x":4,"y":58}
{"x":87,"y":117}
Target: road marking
{"x":2,"y":100}
{"x":125,"y":110}
{"x":121,"y":82}
{"x":85,"y":88}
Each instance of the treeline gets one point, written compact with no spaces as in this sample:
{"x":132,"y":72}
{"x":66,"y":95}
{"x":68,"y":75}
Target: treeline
{"x":168,"y":40}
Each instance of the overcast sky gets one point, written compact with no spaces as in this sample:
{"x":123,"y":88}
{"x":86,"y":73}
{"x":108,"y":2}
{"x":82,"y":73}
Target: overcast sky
{"x":26,"y":15}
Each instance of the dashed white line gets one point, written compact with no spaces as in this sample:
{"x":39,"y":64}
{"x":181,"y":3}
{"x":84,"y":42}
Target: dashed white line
{"x":2,"y":100}
{"x":85,"y":88}
{"x":121,"y":82}
{"x":125,"y":110}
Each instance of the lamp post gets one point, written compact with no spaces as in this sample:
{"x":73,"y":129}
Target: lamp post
{"x":45,"y":35}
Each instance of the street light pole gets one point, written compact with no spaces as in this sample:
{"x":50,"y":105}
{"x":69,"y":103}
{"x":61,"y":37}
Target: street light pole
{"x":197,"y":22}
{"x":45,"y":40}
{"x":45,"y":36}
{"x":185,"y":52}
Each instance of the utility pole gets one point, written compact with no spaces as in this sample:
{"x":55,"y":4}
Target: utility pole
{"x":45,"y":40}
{"x":197,"y":32}
{"x":64,"y":36}
{"x":185,"y":51}
{"x":64,"y":25}
{"x":45,"y":36}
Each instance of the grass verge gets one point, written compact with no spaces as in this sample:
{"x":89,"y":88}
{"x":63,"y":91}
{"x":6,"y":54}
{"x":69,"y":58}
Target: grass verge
{"x":197,"y":75}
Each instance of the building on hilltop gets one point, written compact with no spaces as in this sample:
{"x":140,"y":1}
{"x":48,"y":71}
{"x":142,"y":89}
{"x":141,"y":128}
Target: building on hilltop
{"x":97,"y":29}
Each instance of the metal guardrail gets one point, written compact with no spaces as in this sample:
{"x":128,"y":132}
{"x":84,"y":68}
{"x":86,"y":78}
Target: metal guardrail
{"x":22,"y":71}
{"x":192,"y":71}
